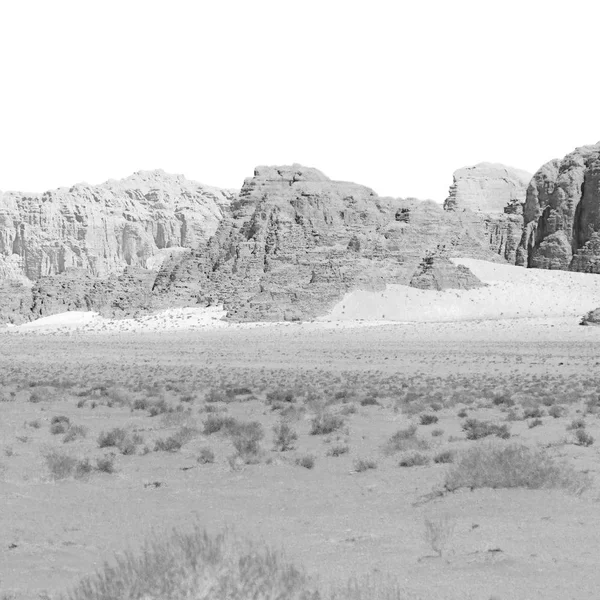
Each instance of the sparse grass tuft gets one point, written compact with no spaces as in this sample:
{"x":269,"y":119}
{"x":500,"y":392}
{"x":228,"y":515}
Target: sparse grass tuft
{"x":497,"y":465}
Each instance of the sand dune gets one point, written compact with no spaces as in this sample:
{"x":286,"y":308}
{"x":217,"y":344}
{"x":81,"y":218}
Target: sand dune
{"x":511,"y":293}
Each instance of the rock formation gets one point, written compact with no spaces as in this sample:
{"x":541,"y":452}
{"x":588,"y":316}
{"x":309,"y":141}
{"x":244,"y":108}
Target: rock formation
{"x":562,"y":214}
{"x":104,"y":228}
{"x":488,"y":188}
{"x":591,"y":318}
{"x":297,"y":241}
{"x":287,"y":247}
{"x":494,"y":194}
{"x":439,"y":273}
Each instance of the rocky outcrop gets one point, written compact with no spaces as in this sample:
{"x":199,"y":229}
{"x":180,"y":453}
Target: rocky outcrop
{"x":103,"y":229}
{"x":591,"y":318}
{"x":494,"y":194}
{"x":562,"y":214}
{"x":488,"y":188}
{"x":439,"y":273}
{"x":297,"y":241}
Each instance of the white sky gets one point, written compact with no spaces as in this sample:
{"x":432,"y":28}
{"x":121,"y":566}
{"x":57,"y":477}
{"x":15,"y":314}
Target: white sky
{"x":395,"y":95}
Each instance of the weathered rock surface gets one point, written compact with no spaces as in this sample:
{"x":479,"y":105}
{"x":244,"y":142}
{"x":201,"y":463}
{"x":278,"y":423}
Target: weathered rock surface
{"x":591,"y":318}
{"x":104,"y":228}
{"x":562,"y":214}
{"x":494,"y":193}
{"x":287,"y":247}
{"x":439,"y":273}
{"x":488,"y":188}
{"x":297,"y":241}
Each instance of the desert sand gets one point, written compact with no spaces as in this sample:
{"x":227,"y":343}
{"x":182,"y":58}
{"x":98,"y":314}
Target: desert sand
{"x":452,"y":350}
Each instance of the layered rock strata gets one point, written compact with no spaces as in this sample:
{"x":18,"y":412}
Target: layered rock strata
{"x":562,"y":214}
{"x":494,"y":194}
{"x":297,"y":241}
{"x":102,"y":229}
{"x":438,"y":273}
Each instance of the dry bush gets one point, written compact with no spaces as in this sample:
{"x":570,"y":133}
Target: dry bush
{"x":307,"y":461}
{"x":206,"y":456}
{"x":62,"y":465}
{"x":414,"y":459}
{"x":404,"y":440}
{"x":75,"y":432}
{"x":176,"y":441}
{"x":338,"y":450}
{"x":325,"y":422}
{"x":284,"y":437}
{"x":497,"y":465}
{"x":196,"y":565}
{"x":364,"y":464}
{"x":476,"y":429}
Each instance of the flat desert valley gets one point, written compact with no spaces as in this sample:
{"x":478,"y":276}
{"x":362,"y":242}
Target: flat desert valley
{"x":358,"y":467}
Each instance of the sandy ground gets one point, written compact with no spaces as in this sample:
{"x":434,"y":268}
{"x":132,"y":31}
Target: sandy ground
{"x":507,"y":544}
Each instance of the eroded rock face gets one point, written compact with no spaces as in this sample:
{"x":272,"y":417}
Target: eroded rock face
{"x":103,"y":229}
{"x":488,"y":188}
{"x":439,"y":273}
{"x":297,"y":241}
{"x":494,"y":194}
{"x":562,"y":214}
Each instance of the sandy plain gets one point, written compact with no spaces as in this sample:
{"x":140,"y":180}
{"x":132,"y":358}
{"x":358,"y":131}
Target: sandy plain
{"x":332,"y":520}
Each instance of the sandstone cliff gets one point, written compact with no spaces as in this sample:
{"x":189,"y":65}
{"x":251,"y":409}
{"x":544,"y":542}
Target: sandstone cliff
{"x":494,"y":194}
{"x":297,"y":241}
{"x":562,"y":214}
{"x":102,"y":229}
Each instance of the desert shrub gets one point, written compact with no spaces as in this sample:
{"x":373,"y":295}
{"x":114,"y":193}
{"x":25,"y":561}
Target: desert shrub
{"x":206,"y":456}
{"x":280,"y":397}
{"x":502,"y":398}
{"x":75,"y":432}
{"x":307,"y":461}
{"x":428,"y":419}
{"x":37,"y":396}
{"x":325,"y":422}
{"x":556,"y":411}
{"x":576,"y":424}
{"x":535,"y":423}
{"x":403,"y":440}
{"x":414,"y":459}
{"x":437,"y":432}
{"x":369,"y":401}
{"x":176,"y":441}
{"x":36,"y":424}
{"x":106,"y":463}
{"x":364,"y":464}
{"x":189,"y":398}
{"x":349,"y":409}
{"x":436,"y":406}
{"x":140,"y":404}
{"x":114,"y":437}
{"x":197,"y":565}
{"x":462,"y":413}
{"x":158,"y":407}
{"x":216,"y":423}
{"x":533,"y":413}
{"x":246,"y":440}
{"x":63,"y":465}
{"x":284,"y":437}
{"x":582,"y":438}
{"x":59,"y":427}
{"x":338,"y":450}
{"x":497,"y":465}
{"x":444,"y":457}
{"x":592,"y":405}
{"x":215,"y":395}
{"x":476,"y":429}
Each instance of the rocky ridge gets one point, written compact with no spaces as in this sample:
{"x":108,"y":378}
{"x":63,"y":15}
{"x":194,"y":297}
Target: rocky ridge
{"x":287,"y":246}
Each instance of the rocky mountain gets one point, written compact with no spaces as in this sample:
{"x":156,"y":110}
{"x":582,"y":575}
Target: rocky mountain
{"x":104,"y":228}
{"x":296,"y":241}
{"x":562,"y":214}
{"x":287,"y":246}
